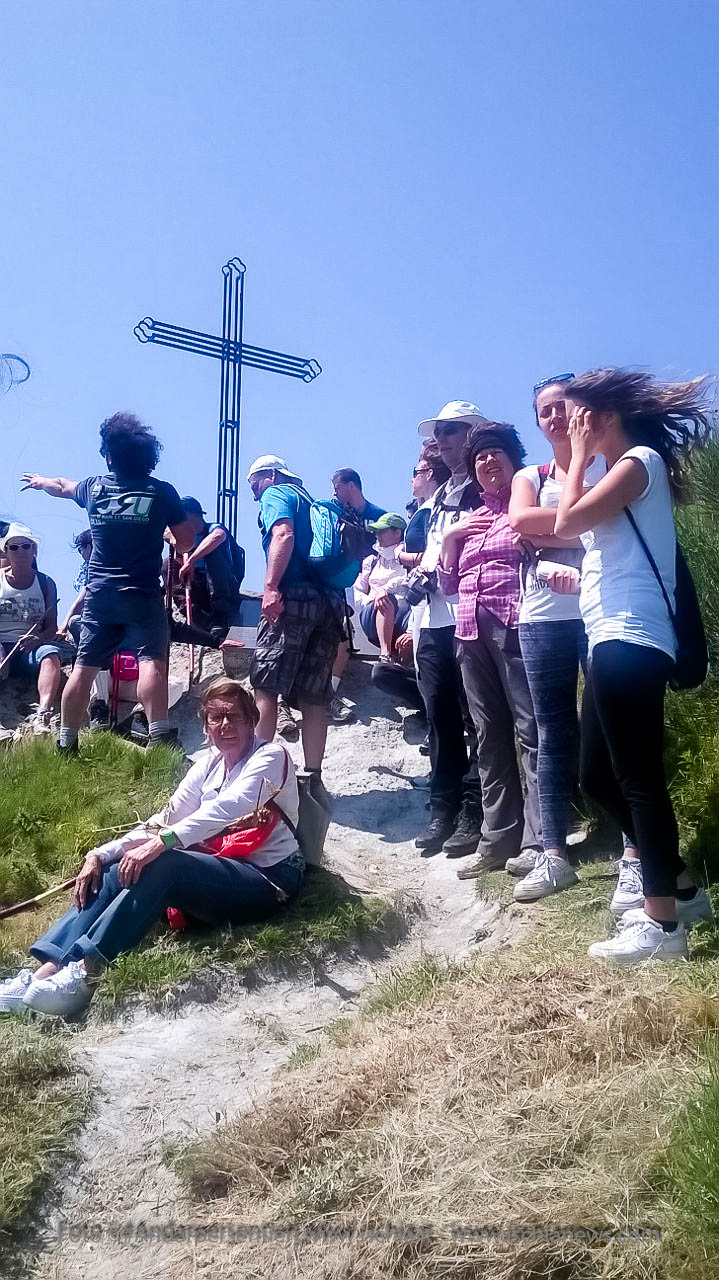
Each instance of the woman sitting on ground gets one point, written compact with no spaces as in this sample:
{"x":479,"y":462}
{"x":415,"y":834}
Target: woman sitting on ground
{"x":28,"y":622}
{"x":646,"y":430}
{"x":382,"y":615}
{"x":126,"y":886}
{"x":481,"y":561}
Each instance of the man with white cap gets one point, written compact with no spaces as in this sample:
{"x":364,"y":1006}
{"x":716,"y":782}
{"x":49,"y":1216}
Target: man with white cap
{"x":455,"y":791}
{"x":301,"y":623}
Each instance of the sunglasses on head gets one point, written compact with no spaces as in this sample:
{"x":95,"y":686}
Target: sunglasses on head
{"x":547,"y":382}
{"x":19,"y":546}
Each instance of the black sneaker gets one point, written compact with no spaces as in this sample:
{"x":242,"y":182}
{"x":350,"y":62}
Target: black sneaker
{"x":99,"y":715}
{"x":424,"y":745}
{"x":433,"y":838}
{"x":465,"y":837}
{"x":71,"y":749}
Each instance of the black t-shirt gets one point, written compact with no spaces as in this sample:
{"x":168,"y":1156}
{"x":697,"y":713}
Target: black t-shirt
{"x":128,"y":516}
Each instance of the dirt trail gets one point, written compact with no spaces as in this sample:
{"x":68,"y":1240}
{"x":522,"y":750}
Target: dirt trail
{"x":161,"y":1079}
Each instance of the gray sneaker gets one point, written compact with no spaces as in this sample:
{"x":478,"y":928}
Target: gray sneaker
{"x":551,"y":874}
{"x":523,"y":863}
{"x":485,"y":862}
{"x":340,"y":712}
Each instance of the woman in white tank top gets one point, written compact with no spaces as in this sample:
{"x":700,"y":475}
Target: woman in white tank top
{"x":646,"y":430}
{"x":28,"y":604}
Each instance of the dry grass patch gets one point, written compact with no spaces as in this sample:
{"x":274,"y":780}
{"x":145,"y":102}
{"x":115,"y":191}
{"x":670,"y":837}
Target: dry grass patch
{"x":506,"y":1101}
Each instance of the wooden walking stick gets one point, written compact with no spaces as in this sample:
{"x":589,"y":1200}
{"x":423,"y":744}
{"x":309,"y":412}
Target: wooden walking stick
{"x":39,"y":898}
{"x":17,"y":644}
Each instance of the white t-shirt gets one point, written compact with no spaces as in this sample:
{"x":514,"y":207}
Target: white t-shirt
{"x":19,"y":609}
{"x":441,"y":611}
{"x":539,"y":602}
{"x":620,"y":597}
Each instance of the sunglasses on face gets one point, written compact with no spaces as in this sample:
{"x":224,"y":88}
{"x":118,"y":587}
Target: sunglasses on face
{"x":19,"y":546}
{"x":449,"y":430}
{"x":421,"y":471}
{"x":548,"y":382}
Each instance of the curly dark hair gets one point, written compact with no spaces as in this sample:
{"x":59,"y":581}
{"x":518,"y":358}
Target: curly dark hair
{"x":670,"y":417}
{"x":82,"y":539}
{"x":500,"y":434}
{"x":431,"y":455}
{"x":129,"y":445}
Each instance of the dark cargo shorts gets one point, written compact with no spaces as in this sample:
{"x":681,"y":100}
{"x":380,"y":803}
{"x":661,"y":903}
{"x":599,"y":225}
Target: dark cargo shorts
{"x":295,"y":655}
{"x":129,"y":620}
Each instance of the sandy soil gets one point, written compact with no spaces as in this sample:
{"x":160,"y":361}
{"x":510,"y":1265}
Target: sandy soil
{"x":160,"y":1079}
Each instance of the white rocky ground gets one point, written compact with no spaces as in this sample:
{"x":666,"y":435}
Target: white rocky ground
{"x":163,"y":1078}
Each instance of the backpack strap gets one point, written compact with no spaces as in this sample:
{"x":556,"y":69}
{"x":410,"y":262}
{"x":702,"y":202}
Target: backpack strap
{"x":655,"y":570}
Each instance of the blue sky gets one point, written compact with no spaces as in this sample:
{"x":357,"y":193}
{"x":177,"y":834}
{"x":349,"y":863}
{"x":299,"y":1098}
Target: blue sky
{"x":436,"y":201}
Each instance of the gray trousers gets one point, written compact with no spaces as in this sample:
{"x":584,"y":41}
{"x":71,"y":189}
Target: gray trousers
{"x":501,"y":706}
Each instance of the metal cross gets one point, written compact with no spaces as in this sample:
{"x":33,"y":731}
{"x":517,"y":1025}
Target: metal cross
{"x":233,"y":353}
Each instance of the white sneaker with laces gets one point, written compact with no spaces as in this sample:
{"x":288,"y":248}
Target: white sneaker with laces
{"x":525,"y":862}
{"x":550,"y":875}
{"x":629,"y":893}
{"x":12,"y":991}
{"x":688,"y":911}
{"x":65,"y":992}
{"x":642,"y":939}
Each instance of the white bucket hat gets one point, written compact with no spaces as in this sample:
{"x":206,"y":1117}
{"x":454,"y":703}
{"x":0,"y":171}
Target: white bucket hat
{"x":457,"y":411}
{"x":270,"y":462}
{"x":17,"y":530}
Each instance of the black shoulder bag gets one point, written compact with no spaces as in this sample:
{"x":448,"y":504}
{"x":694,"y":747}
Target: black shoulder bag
{"x":692,"y":660}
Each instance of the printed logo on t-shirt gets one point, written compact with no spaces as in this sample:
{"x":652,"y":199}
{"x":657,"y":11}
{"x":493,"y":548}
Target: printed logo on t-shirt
{"x":133,"y":507}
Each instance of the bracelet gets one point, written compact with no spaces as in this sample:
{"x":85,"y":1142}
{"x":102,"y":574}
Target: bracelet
{"x":168,"y":837}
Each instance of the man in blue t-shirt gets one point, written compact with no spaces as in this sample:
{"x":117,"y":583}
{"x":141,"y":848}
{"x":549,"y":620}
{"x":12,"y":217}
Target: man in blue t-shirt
{"x":301,"y":623}
{"x":128,"y":511}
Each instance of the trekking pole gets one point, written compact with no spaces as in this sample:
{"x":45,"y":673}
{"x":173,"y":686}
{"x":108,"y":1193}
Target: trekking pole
{"x":188,"y":615}
{"x":17,"y":644}
{"x":29,"y":903}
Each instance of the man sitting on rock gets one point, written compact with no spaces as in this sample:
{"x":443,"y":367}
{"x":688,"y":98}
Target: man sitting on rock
{"x":214,"y":570}
{"x":28,"y":622}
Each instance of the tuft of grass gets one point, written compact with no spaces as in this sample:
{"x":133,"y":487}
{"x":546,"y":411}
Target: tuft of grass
{"x":41,"y":1111}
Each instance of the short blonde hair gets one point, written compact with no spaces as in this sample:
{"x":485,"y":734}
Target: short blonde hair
{"x":224,"y":687}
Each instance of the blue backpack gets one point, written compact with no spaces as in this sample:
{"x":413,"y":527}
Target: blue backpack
{"x":339,"y":543}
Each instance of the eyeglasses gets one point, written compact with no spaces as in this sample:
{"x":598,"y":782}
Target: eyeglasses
{"x":19,"y":546}
{"x":547,"y":382}
{"x":422,"y":471}
{"x":449,"y":429}
{"x":214,"y":718}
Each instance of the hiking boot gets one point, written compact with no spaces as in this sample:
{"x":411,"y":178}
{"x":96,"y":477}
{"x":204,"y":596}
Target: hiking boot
{"x":12,"y":991}
{"x":465,"y":837}
{"x":71,"y":749}
{"x":168,"y":739}
{"x":642,"y":939}
{"x":550,"y":875}
{"x":340,"y":712}
{"x":65,"y":993}
{"x":629,"y":893}
{"x":432,"y":840}
{"x":486,"y":861}
{"x":689,"y":910}
{"x":523,"y":863}
{"x":286,"y":726}
{"x":424,"y":745}
{"x":99,"y":715}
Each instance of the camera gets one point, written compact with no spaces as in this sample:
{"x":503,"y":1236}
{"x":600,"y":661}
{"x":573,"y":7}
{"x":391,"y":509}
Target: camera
{"x":419,"y":586}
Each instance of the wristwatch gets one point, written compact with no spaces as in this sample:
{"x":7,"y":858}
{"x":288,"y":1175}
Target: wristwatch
{"x":168,"y":837}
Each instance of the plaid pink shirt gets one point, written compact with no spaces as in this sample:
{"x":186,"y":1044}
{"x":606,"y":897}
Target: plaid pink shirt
{"x":487,"y":573}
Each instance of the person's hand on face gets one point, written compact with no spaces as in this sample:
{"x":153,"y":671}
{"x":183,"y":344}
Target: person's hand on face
{"x":583,"y":431}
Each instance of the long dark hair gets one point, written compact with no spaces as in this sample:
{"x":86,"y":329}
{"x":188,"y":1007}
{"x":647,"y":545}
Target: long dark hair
{"x":670,"y":417}
{"x":431,"y":455}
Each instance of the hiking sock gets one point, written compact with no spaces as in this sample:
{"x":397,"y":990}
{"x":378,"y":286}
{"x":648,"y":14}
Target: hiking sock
{"x":686,"y":895}
{"x":336,"y":683}
{"x":68,"y":737}
{"x":158,"y":728}
{"x":667,"y":925}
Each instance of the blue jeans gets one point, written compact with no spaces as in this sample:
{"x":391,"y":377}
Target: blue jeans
{"x":553,"y":653}
{"x":213,"y":890}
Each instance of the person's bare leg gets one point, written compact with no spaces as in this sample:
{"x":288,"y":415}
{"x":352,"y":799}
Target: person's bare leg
{"x":267,"y":707}
{"x":46,"y":970}
{"x":343,"y":657}
{"x":48,"y":682}
{"x":314,"y":734}
{"x":661,"y":908}
{"x":76,"y":696}
{"x":384,"y":619}
{"x":152,"y":688}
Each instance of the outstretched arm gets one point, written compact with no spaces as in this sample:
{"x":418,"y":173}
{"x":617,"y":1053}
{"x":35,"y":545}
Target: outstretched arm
{"x":57,"y":488}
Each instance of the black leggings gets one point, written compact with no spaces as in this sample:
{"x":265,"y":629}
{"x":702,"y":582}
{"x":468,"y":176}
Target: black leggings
{"x":621,"y":759}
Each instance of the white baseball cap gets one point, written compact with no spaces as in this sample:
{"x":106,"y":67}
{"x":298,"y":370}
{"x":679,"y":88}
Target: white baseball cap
{"x":270,"y":462}
{"x":457,"y":411}
{"x":18,"y":531}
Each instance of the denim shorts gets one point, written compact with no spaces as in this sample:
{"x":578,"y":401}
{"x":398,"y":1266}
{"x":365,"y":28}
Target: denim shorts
{"x":128,"y":620}
{"x":28,"y":663}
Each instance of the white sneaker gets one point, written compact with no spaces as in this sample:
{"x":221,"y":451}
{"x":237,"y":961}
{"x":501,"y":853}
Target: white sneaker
{"x":629,"y":893}
{"x":642,"y":939}
{"x":551,"y":874}
{"x":12,"y":991}
{"x":697,"y":908}
{"x":523,"y":863}
{"x":65,"y":992}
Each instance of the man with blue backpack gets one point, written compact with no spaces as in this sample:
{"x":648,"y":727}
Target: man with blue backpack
{"x":309,"y":559}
